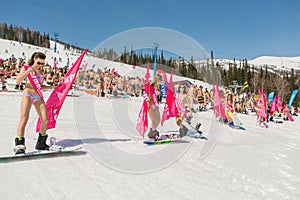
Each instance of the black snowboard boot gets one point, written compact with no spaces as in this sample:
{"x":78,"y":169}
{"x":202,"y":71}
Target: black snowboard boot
{"x":41,"y":142}
{"x":19,"y":145}
{"x":153,"y":134}
{"x":150,"y":134}
{"x":4,"y":88}
{"x":197,"y":126}
{"x":183,"y":131}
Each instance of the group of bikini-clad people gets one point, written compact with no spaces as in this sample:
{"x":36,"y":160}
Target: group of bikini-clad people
{"x":233,"y":104}
{"x":184,"y":97}
{"x":184,"y":101}
{"x":255,"y":103}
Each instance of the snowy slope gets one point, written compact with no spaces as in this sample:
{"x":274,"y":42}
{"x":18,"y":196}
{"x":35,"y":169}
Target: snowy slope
{"x":253,"y":164}
{"x":279,"y":62}
{"x":62,"y":56}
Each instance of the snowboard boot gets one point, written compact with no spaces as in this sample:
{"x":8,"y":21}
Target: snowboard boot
{"x":4,"y":88}
{"x":156,"y":135}
{"x":188,"y":119}
{"x":197,"y":126}
{"x":41,"y":142}
{"x":183,"y":131}
{"x":231,"y":125}
{"x":19,"y":145}
{"x":153,"y":134}
{"x":150,"y":133}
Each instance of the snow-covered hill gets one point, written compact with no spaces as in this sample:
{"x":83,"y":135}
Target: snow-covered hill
{"x":64,"y":56}
{"x":278,"y":62}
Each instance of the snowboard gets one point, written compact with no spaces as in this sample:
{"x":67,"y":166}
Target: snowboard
{"x":193,"y":132}
{"x":156,"y":142}
{"x":54,"y":149}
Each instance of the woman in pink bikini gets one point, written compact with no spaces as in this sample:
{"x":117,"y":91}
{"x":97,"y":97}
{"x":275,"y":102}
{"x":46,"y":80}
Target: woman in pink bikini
{"x":32,"y":97}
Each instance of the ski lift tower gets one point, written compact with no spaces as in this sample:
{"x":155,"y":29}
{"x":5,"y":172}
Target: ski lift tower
{"x":155,"y":58}
{"x":235,"y":86}
{"x":55,"y":39}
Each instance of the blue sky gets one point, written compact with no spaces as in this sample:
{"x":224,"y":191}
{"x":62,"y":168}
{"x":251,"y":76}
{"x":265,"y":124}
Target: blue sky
{"x":231,"y":28}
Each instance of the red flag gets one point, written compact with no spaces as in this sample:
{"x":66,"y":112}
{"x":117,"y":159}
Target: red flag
{"x":142,"y":122}
{"x":170,"y":109}
{"x":58,"y":96}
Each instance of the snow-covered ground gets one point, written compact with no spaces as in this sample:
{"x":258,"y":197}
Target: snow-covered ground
{"x":114,"y":164}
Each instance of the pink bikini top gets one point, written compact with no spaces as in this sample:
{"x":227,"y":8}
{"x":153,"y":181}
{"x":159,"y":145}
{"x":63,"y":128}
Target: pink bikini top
{"x":40,"y":78}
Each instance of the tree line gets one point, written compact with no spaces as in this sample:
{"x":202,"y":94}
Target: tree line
{"x":25,"y":35}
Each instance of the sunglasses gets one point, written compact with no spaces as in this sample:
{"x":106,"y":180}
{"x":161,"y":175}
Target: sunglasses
{"x":40,"y":63}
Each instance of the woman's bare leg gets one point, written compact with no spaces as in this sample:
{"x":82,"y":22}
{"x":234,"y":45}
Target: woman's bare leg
{"x":24,"y":115}
{"x":41,"y":110}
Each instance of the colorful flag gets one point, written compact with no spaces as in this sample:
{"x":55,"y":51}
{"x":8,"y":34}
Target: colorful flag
{"x":142,"y":122}
{"x":58,"y":96}
{"x":218,"y":105}
{"x":263,"y":108}
{"x":274,"y":106}
{"x":286,"y":111}
{"x":292,"y":98}
{"x":170,"y":109}
{"x":271,"y":96}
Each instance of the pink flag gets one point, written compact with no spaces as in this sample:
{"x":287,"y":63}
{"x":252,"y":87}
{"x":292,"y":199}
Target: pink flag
{"x":285,"y":110}
{"x":58,"y":96}
{"x":263,"y":108}
{"x":112,"y":71}
{"x":170,"y":109}
{"x":142,"y":122}
{"x":273,"y":107}
{"x":279,"y":102}
{"x":218,"y":106}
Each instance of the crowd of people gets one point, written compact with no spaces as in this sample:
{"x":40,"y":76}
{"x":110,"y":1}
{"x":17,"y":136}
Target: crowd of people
{"x":11,"y":67}
{"x":190,"y":97}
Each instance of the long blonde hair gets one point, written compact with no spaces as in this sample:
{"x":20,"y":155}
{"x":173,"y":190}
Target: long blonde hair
{"x":157,"y":79}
